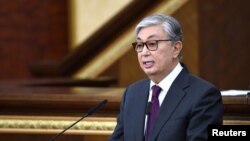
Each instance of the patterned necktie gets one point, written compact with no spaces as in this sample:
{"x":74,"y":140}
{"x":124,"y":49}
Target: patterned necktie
{"x":155,"y":106}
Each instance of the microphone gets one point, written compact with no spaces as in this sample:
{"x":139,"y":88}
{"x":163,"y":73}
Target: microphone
{"x":148,"y":110}
{"x":89,"y":112}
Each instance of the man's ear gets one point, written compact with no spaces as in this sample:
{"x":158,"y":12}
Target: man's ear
{"x":177,"y":48}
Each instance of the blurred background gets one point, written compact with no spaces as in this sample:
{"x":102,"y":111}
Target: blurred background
{"x":83,"y":39}
{"x":59,"y":58}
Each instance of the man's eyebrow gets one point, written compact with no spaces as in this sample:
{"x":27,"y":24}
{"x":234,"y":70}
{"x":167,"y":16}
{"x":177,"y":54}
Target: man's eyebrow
{"x":138,"y":38}
{"x":151,"y":36}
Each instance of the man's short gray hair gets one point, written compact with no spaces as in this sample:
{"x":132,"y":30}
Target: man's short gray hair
{"x":170,"y":25}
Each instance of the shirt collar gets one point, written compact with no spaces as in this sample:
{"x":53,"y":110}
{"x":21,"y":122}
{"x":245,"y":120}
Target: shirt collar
{"x":169,"y":79}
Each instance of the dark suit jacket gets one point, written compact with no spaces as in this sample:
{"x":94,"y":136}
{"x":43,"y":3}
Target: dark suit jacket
{"x":190,"y":105}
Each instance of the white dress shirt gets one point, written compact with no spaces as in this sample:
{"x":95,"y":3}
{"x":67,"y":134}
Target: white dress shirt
{"x":165,"y":85}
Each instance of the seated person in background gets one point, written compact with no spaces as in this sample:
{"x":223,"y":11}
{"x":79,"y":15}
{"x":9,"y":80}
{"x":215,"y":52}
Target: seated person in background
{"x":171,"y":104}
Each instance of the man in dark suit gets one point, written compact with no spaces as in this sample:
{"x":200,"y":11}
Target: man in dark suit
{"x":186,"y":104}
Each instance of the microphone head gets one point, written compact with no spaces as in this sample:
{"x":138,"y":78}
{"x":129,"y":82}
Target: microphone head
{"x":91,"y":111}
{"x":148,"y":110}
{"x":105,"y":101}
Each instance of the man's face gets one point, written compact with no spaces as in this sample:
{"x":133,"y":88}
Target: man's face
{"x":159,"y":63}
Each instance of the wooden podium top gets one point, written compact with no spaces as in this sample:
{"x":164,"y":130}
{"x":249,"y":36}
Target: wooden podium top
{"x":75,"y":101}
{"x":58,"y":100}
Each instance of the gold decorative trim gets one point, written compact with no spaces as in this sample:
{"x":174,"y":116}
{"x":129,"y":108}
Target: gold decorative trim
{"x":51,"y":125}
{"x":236,"y":122}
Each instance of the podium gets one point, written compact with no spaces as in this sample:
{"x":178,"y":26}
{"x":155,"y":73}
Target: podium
{"x":38,"y":113}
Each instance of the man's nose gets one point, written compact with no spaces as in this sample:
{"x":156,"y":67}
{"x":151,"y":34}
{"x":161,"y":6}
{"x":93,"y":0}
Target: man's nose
{"x":145,"y":50}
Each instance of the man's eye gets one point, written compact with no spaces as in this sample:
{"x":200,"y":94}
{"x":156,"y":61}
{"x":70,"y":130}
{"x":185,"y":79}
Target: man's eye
{"x":139,"y":45}
{"x":151,"y":44}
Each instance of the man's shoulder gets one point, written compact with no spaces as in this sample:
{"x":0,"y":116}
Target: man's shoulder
{"x":193,"y":79}
{"x":140,"y":83}
{"x":201,"y":81}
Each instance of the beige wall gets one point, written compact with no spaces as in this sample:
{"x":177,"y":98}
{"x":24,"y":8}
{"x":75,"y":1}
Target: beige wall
{"x":88,"y":15}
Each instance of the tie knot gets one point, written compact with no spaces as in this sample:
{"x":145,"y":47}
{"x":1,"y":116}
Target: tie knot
{"x":156,"y":91}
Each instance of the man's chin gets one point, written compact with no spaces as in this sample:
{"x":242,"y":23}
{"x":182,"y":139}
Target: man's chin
{"x":149,"y":72}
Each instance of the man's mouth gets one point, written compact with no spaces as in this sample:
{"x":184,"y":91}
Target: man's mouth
{"x":148,"y":64}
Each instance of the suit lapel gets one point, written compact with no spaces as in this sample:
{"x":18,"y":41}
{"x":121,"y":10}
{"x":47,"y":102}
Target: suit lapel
{"x":141,"y":112}
{"x":171,"y":101}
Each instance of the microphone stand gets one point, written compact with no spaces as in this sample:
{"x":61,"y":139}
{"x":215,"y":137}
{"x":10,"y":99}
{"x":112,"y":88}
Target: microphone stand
{"x":90,"y":112}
